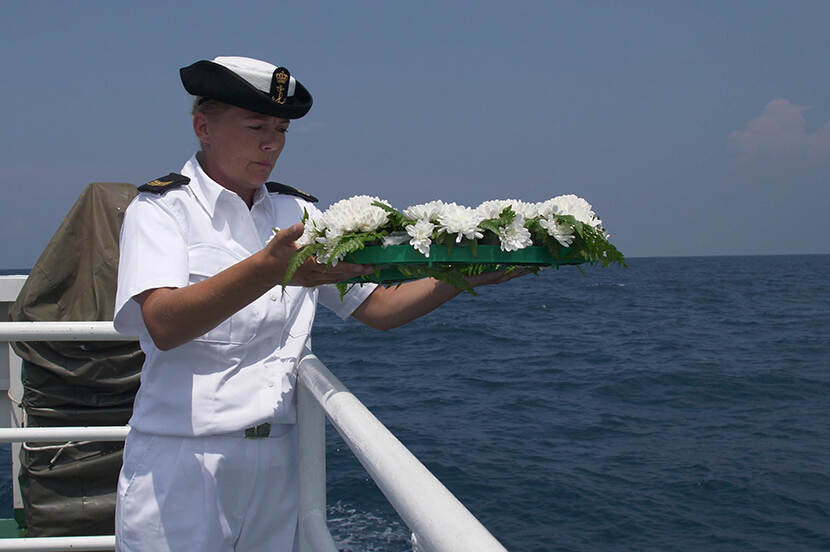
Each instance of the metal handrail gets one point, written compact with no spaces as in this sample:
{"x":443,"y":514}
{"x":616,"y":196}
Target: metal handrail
{"x":55,"y":544}
{"x":60,"y":331}
{"x":50,"y":434}
{"x":438,"y":519}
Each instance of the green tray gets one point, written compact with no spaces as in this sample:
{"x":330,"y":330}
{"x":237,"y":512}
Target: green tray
{"x":386,"y":259}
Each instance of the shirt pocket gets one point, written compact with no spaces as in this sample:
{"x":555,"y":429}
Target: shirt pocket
{"x":204,"y":261}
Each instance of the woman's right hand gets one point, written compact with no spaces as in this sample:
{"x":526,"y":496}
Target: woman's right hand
{"x":311,"y":273}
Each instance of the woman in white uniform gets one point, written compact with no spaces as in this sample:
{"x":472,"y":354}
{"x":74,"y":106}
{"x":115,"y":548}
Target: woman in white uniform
{"x":211,"y":461}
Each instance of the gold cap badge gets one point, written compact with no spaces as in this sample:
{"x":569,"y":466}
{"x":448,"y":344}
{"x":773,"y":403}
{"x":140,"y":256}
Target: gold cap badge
{"x":279,"y":85}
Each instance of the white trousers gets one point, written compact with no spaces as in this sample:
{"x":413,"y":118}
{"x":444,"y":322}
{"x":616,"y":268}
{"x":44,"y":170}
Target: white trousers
{"x":208,"y":494}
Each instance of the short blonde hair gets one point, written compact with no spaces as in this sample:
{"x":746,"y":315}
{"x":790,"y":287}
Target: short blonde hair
{"x":208,"y":107}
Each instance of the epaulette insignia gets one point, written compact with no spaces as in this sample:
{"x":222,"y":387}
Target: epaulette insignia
{"x":277,"y":188}
{"x":161,"y":185}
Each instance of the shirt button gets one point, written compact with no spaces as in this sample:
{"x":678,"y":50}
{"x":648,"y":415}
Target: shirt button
{"x":273,"y":298}
{"x":270,"y":386}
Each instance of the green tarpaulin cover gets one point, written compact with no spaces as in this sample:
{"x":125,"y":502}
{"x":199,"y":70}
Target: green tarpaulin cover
{"x":75,"y":383}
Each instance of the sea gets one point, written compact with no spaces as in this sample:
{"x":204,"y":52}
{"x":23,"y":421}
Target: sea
{"x":678,"y":404}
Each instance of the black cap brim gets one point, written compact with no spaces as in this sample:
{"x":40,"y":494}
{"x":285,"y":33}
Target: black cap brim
{"x":212,"y":80}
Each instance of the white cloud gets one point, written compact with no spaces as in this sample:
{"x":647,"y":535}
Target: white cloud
{"x":781,"y":132}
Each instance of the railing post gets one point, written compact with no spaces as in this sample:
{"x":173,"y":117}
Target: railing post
{"x":311,"y":425}
{"x":439,"y":520}
{"x":11,"y":388}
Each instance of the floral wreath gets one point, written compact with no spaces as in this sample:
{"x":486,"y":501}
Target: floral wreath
{"x":564,"y":227}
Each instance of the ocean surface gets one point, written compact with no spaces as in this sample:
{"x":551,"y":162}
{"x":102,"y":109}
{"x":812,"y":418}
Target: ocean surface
{"x":680,"y":404}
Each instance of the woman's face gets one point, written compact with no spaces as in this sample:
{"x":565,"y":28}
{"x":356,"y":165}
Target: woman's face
{"x":240,"y":147}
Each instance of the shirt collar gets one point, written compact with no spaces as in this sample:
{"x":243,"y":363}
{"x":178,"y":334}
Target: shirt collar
{"x":260,"y":194}
{"x":207,"y":190}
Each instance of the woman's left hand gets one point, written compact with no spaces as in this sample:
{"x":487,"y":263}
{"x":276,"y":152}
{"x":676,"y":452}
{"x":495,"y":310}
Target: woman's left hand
{"x":495,"y":277}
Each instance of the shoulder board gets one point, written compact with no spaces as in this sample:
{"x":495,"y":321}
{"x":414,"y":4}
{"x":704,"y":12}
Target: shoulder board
{"x":277,"y":188}
{"x":161,"y":185}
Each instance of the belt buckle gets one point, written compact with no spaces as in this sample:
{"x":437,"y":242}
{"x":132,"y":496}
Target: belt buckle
{"x":258,"y":432}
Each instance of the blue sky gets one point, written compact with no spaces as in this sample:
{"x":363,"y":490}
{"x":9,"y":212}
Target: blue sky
{"x":694,"y":128}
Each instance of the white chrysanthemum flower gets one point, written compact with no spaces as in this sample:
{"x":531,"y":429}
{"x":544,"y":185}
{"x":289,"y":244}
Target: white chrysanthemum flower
{"x":527,"y":210}
{"x":309,"y":236}
{"x":395,"y":238}
{"x":533,"y":210}
{"x":560,"y":231}
{"x":330,"y":235}
{"x":572,"y":205}
{"x":421,"y":233}
{"x":323,"y":258}
{"x":492,"y":209}
{"x":356,"y":214}
{"x":460,"y":220}
{"x":425,"y":211}
{"x":515,"y":236}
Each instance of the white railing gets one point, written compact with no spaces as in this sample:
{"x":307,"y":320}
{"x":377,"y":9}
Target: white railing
{"x":60,"y":331}
{"x":440,"y":522}
{"x":57,"y":544}
{"x":52,"y":434}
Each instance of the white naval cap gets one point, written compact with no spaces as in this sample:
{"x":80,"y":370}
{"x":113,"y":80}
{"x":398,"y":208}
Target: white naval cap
{"x":248,"y":83}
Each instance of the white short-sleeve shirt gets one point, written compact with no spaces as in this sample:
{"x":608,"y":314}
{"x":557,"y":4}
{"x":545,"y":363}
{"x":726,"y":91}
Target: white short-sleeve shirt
{"x":241,"y":373}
